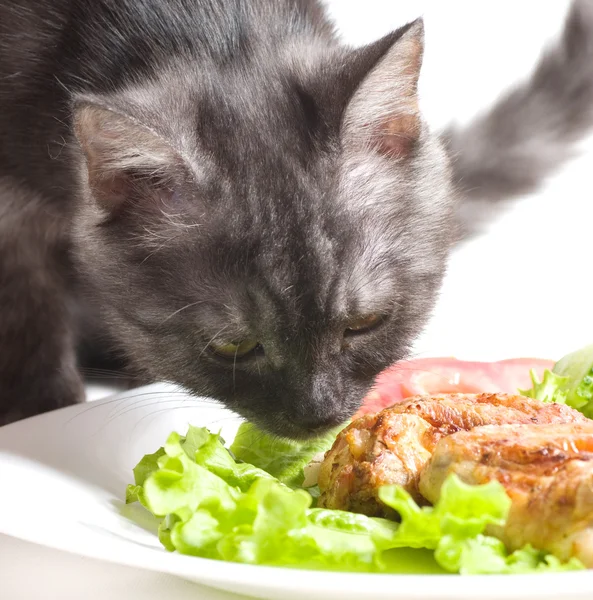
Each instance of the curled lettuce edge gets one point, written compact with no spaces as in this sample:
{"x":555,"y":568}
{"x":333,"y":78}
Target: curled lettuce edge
{"x":569,"y":382}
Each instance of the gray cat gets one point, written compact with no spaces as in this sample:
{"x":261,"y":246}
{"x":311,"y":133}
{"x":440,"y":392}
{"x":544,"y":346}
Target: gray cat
{"x":222,"y":195}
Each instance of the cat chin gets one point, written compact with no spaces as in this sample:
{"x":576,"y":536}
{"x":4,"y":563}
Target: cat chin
{"x":287,"y":427}
{"x":294,"y":432}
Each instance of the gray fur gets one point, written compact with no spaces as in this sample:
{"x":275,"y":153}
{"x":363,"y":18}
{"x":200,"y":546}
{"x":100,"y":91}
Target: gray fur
{"x":208,"y":171}
{"x":532,"y":130}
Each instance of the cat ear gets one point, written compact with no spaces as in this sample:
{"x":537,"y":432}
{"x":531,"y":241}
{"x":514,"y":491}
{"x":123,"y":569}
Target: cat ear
{"x":383,"y":112}
{"x":125,"y":162}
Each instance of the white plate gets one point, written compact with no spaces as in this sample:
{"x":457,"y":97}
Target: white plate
{"x":62,"y":482}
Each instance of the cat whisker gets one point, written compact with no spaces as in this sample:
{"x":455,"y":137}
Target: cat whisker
{"x":222,"y":420}
{"x":117,"y":380}
{"x":93,"y":406}
{"x":212,"y":339}
{"x":181,"y":395}
{"x":157,"y":412}
{"x":92,"y":370}
{"x":138,"y":403}
{"x":139,"y":406}
{"x":173,"y":314}
{"x":93,"y":374}
{"x":234,"y":370}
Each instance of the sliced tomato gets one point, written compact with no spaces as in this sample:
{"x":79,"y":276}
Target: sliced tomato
{"x":449,"y":375}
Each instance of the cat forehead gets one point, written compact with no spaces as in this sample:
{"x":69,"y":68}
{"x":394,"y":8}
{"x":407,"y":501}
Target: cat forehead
{"x":258,"y":96}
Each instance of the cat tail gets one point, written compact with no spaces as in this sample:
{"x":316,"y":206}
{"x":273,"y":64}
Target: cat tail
{"x":530,"y":132}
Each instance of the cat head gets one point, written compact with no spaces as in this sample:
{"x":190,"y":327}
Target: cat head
{"x":273,"y":233}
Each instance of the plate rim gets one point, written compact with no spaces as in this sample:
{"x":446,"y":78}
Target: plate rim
{"x":215,"y":573}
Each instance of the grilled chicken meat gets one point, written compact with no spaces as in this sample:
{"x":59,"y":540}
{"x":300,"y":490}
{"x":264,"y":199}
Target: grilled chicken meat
{"x":394,"y":445}
{"x":547,"y":470}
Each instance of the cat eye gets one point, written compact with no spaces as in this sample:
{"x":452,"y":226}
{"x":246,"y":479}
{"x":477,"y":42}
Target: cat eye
{"x":235,"y":350}
{"x":364,"y":324}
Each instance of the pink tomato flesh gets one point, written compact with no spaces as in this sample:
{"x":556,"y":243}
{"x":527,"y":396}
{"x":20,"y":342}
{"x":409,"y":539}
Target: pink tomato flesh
{"x":449,"y":375}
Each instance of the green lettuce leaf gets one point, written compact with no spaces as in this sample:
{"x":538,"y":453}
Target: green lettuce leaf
{"x":577,"y":368}
{"x":463,"y":511}
{"x":570,"y":382}
{"x":214,"y":507}
{"x":485,"y":555}
{"x":209,"y":509}
{"x":552,"y":388}
{"x":454,"y":529}
{"x":147,"y":466}
{"x":207,"y":449}
{"x":283,"y":459}
{"x":181,"y":486}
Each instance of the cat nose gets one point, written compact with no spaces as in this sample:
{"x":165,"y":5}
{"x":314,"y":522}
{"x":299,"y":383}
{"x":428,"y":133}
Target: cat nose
{"x":321,"y":407}
{"x":326,"y":407}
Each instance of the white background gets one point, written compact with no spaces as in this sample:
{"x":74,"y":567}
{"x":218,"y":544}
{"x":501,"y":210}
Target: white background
{"x":522,"y":289}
